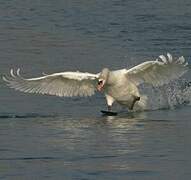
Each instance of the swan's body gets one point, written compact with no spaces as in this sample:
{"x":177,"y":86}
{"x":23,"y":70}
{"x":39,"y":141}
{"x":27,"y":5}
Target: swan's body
{"x":120,"y":86}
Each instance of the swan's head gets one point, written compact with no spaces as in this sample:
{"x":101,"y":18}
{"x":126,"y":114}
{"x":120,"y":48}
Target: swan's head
{"x":102,"y":79}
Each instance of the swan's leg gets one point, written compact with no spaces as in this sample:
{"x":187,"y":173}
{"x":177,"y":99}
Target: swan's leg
{"x":109,"y":108}
{"x":135,"y":99}
{"x":110,"y":101}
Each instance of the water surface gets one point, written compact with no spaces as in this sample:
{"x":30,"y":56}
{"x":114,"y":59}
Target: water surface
{"x":45,"y":137}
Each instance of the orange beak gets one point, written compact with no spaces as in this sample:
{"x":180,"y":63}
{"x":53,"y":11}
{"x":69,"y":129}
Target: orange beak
{"x":100,"y":86}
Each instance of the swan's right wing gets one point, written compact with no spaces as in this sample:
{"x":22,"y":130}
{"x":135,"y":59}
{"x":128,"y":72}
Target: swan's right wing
{"x":158,"y":72}
{"x":60,"y":84}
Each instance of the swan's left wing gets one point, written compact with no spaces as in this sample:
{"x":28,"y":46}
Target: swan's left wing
{"x":158,"y":72}
{"x":58,"y":84}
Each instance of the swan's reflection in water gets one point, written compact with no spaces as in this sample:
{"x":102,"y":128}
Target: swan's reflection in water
{"x":99,"y":143}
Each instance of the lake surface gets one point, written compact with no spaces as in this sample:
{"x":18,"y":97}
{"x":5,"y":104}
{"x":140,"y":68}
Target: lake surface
{"x":46,"y":137}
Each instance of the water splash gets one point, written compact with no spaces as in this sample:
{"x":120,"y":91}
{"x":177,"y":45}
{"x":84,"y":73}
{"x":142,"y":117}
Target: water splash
{"x":168,"y":96}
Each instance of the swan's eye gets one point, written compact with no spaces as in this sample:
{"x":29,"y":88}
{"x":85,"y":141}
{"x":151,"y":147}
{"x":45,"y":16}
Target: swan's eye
{"x":100,"y":82}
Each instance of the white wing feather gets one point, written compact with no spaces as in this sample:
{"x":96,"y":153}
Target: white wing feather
{"x":60,"y":84}
{"x":158,"y":72}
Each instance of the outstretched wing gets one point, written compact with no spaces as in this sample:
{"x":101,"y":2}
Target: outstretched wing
{"x":158,"y":72}
{"x":59,"y":84}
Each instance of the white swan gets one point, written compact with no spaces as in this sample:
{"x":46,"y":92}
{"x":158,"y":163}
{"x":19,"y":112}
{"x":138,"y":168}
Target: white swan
{"x":120,"y":85}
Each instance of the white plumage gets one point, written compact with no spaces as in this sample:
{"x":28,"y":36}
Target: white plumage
{"x":120,"y":85}
{"x":60,"y":84}
{"x":158,"y":72}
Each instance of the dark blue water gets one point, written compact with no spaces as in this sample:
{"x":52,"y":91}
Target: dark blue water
{"x":43,"y":137}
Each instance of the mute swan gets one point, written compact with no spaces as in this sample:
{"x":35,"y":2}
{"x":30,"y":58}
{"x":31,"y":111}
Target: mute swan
{"x":120,"y":85}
